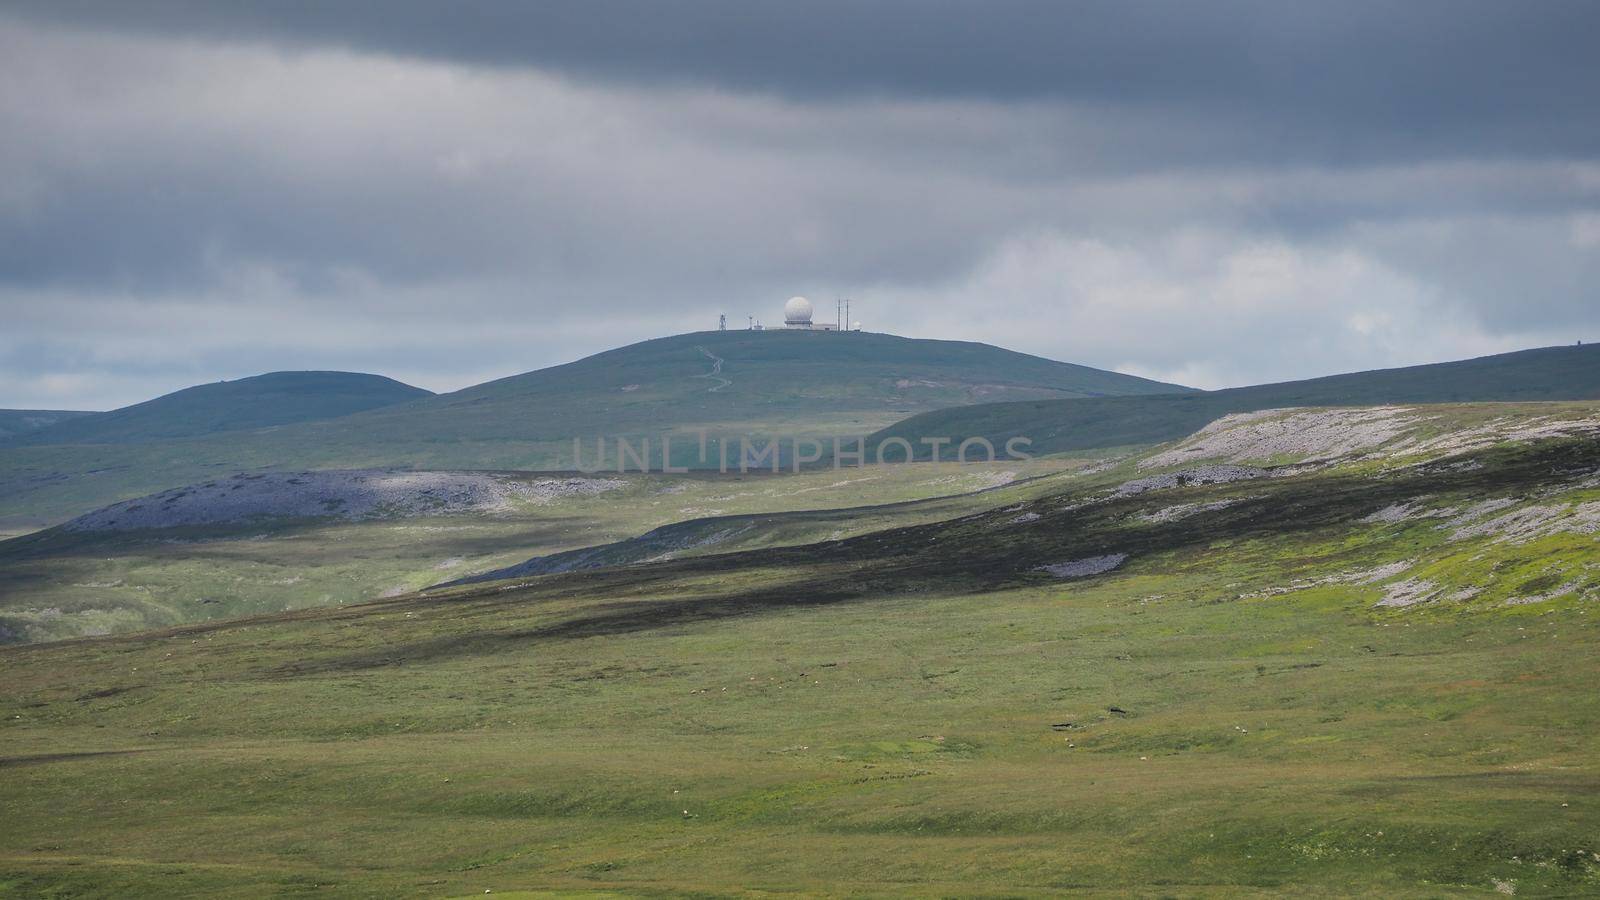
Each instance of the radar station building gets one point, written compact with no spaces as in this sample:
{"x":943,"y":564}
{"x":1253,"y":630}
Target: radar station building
{"x":797,"y":314}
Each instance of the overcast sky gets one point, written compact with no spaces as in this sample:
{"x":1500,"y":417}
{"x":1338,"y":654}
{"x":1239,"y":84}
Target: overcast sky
{"x":1208,"y":193}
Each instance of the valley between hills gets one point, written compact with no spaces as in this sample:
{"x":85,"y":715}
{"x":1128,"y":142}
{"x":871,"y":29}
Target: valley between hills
{"x":1318,"y":647}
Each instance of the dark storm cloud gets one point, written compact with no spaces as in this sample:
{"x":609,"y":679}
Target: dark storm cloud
{"x":1331,"y":82}
{"x":1210,"y":194}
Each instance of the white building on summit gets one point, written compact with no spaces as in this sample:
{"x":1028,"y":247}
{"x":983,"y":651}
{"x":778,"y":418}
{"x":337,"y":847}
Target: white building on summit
{"x":797,"y":314}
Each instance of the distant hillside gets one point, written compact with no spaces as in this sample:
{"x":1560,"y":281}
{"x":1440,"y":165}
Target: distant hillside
{"x":21,"y":421}
{"x":726,"y":383}
{"x":1552,"y":373}
{"x":746,"y":379}
{"x":277,"y":398}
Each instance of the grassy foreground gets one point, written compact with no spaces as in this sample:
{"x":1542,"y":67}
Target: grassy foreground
{"x":911,"y":712}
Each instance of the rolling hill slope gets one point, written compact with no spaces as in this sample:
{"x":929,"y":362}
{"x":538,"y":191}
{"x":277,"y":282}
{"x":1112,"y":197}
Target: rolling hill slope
{"x":15,"y":422}
{"x":1552,"y":373}
{"x":265,"y":542}
{"x":1239,"y":447}
{"x":260,"y":401}
{"x":1346,"y":680}
{"x":726,"y":383}
{"x":755,"y":379}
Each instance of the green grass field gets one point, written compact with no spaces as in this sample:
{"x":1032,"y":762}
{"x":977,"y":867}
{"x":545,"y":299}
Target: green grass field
{"x":57,"y":584}
{"x":914,"y":711}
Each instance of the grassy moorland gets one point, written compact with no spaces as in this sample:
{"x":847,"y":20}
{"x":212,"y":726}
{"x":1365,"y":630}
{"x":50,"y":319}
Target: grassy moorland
{"x":15,"y":422}
{"x":1056,"y":426}
{"x":261,"y":401}
{"x":1357,"y":669}
{"x":727,"y":383}
{"x":61,"y":583}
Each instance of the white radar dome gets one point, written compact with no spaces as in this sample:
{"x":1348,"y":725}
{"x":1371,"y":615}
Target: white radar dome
{"x":797,"y":311}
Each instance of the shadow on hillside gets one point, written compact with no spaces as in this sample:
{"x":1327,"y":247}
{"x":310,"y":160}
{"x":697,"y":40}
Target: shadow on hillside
{"x":971,"y":555}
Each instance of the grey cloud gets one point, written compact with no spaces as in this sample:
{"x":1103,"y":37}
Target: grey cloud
{"x":321,"y":171}
{"x":1209,"y":194}
{"x":1332,"y":83}
{"x":326,"y":165}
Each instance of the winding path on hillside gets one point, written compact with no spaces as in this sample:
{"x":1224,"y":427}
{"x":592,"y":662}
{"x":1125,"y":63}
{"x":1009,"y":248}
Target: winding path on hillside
{"x":716,"y":372}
